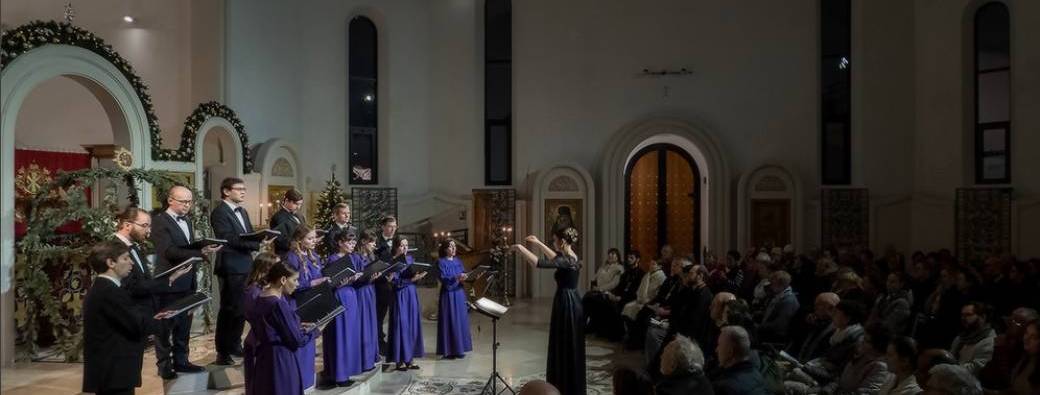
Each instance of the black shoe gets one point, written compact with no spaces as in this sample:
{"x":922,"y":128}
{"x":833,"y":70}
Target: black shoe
{"x":345,"y":383}
{"x":189,"y":368}
{"x":224,"y":359}
{"x":326,"y":385}
{"x":167,"y":373}
{"x":236,"y":354}
{"x":413,"y":366}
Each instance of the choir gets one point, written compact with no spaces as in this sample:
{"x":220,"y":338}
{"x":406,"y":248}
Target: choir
{"x":278,"y":352}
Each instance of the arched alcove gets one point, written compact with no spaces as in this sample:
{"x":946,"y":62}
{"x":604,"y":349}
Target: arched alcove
{"x":561,"y":191}
{"x":770,"y":193}
{"x":218,"y":154}
{"x":703,"y":148}
{"x":17,"y":80}
{"x":279,"y":167}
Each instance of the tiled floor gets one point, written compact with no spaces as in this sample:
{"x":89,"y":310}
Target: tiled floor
{"x":523,"y":336}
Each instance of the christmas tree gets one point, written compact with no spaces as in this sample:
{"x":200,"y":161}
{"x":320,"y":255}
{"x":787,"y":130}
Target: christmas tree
{"x":331,"y":196}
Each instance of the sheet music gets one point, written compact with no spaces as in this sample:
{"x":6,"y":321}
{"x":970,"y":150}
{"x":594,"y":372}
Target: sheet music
{"x":187,"y":262}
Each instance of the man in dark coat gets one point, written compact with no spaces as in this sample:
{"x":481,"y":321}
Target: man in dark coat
{"x":286,"y":220}
{"x":229,"y":221}
{"x":736,"y":374}
{"x":133,"y":227}
{"x":384,"y":292}
{"x":172,"y":232}
{"x":114,"y":327}
{"x":340,"y":224}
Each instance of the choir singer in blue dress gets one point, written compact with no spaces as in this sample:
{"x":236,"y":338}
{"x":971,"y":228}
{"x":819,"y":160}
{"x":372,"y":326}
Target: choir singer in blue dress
{"x":453,"y":337}
{"x":341,"y":340}
{"x":405,"y":342}
{"x":307,"y":263}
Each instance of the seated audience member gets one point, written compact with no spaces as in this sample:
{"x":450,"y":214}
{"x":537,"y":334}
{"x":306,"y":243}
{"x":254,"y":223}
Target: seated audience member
{"x":776,"y":320}
{"x":848,"y":329}
{"x":901,"y":358}
{"x":687,"y":317}
{"x":892,"y":308}
{"x":613,"y":327}
{"x":950,"y":379}
{"x":669,"y":297}
{"x":682,"y":369}
{"x":608,"y":276}
{"x":736,"y":374}
{"x":973,"y":348}
{"x":849,"y":286}
{"x":647,"y":291}
{"x":1025,"y":378}
{"x":1007,"y":349}
{"x":866,"y":372}
{"x":929,"y":359}
{"x":820,"y":328}
{"x":941,"y":312}
{"x":538,"y":387}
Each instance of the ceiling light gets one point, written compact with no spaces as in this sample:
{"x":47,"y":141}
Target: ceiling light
{"x":128,"y":19}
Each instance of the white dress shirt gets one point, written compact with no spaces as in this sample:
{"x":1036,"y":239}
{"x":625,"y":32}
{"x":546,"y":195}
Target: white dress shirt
{"x":112,"y":279}
{"x":133,"y":252}
{"x":238,"y":214}
{"x":182,"y":224}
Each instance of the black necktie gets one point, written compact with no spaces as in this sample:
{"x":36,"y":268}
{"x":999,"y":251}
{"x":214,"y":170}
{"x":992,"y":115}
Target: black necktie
{"x":240,"y":210}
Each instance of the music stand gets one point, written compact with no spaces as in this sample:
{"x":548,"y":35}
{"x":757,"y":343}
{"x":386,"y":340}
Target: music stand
{"x":494,"y":311}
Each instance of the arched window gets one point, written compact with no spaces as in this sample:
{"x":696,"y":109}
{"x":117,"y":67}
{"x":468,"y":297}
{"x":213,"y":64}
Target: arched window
{"x":992,"y":94}
{"x":363,"y":142}
{"x":498,"y":92}
{"x":835,"y":91}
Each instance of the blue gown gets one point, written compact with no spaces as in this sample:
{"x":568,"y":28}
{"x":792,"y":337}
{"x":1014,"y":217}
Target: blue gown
{"x":276,"y":330}
{"x":252,"y":293}
{"x":405,"y":341}
{"x":309,"y":268}
{"x":453,"y":337}
{"x":366,"y":303}
{"x":341,"y":345}
{"x":565,"y":368}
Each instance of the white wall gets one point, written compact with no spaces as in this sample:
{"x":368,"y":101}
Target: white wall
{"x":159,"y":45}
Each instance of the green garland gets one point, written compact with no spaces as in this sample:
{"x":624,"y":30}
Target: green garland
{"x":36,"y":34}
{"x":40,"y":248}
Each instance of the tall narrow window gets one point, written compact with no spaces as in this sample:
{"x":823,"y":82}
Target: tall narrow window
{"x":992,"y":95}
{"x":835,"y":84}
{"x":363,"y":143}
{"x":498,"y":92}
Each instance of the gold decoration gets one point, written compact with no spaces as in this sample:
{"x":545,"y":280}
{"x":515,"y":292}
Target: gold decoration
{"x":123,"y":158}
{"x":29,"y":180}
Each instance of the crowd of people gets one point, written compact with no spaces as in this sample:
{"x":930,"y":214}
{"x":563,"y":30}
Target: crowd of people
{"x":771,"y":321}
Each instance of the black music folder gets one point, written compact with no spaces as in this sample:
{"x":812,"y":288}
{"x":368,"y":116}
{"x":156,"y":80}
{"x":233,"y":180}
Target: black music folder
{"x":187,"y":303}
{"x":189,"y":261}
{"x":318,"y":304}
{"x":260,"y":235}
{"x":205,"y":242}
{"x":338,"y":270}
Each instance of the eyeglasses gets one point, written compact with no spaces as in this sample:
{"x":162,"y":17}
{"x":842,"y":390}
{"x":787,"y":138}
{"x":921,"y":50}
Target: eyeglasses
{"x":144,"y":225}
{"x":186,"y":201}
{"x":242,"y":189}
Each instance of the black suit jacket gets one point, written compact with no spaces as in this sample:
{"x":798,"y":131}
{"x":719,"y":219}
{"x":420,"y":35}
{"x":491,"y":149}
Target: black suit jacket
{"x":236,"y":257}
{"x":283,"y":221}
{"x":170,"y":250}
{"x":140,"y":284}
{"x":114,"y":332}
{"x":384,"y":248}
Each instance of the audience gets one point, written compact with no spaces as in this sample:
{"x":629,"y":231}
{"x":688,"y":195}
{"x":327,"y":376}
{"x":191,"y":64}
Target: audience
{"x":867,"y":371}
{"x":1025,"y":378}
{"x":901,"y":358}
{"x":682,"y":369}
{"x":776,"y":320}
{"x":736,"y":374}
{"x":973,"y":348}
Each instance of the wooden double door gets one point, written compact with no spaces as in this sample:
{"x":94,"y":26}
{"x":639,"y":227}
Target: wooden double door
{"x":662,"y":201}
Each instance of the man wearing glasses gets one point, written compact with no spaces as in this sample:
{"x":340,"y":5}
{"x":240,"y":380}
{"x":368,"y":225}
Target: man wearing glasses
{"x":134,"y":226}
{"x":172,"y":231}
{"x":229,"y":221}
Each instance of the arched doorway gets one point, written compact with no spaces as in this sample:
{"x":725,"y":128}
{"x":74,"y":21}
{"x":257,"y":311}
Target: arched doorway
{"x":662,"y":201}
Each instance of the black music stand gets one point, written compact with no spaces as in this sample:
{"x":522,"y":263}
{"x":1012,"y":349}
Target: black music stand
{"x":494,"y":312}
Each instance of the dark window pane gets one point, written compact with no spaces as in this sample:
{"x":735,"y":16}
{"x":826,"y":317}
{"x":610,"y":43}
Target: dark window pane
{"x":362,"y":156}
{"x":992,"y":36}
{"x":498,"y":30}
{"x":835,"y":91}
{"x":499,"y":93}
{"x":498,"y":141}
{"x":994,"y":91}
{"x":362,"y":102}
{"x":362,"y":48}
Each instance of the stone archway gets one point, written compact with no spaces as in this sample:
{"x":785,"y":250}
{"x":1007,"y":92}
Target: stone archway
{"x":770,"y":186}
{"x":17,"y":80}
{"x":570,"y":185}
{"x":700,"y":145}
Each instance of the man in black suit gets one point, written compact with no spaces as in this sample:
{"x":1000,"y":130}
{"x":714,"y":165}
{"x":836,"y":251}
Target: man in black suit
{"x":134,"y":225}
{"x":384,"y":292}
{"x":114,"y":327}
{"x":340,"y":224}
{"x":234,"y":262}
{"x":286,"y":220}
{"x":172,"y":231}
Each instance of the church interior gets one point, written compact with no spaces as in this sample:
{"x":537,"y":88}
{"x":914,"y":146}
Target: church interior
{"x":752,"y":155}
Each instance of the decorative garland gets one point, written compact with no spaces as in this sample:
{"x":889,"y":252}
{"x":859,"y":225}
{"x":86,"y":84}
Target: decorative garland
{"x":60,"y":201}
{"x":37,"y":34}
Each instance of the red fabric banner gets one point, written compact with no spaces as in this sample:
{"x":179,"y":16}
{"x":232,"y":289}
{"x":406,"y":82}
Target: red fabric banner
{"x":48,"y":164}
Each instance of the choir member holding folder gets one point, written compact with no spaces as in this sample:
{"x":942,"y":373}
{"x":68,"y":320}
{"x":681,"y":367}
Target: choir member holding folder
{"x":405,"y":341}
{"x":285,"y":220}
{"x":254,"y":286}
{"x":114,"y":327}
{"x":341,"y":344}
{"x":366,"y":299}
{"x":279,"y":336}
{"x":453,"y":338}
{"x":134,"y":225}
{"x":234,"y":262}
{"x":172,"y":234}
{"x":307,"y":263}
